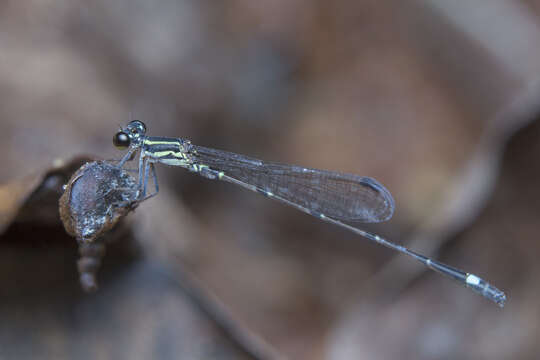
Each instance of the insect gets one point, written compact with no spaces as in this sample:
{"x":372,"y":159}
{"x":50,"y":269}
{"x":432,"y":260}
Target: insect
{"x":330,"y":196}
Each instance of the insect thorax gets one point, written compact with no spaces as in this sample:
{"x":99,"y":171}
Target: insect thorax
{"x":169,"y":151}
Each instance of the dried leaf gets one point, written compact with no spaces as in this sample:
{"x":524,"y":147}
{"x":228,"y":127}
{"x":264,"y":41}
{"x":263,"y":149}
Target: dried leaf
{"x":34,"y":197}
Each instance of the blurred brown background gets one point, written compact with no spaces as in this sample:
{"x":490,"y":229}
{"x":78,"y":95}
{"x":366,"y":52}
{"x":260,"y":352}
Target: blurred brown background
{"x":437,"y":100}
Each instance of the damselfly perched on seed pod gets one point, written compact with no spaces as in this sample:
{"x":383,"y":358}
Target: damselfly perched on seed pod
{"x":330,"y":196}
{"x":95,"y":199}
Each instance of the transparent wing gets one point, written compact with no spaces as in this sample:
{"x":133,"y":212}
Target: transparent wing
{"x":341,"y":196}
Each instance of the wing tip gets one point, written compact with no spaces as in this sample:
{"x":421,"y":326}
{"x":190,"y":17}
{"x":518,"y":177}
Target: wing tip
{"x":389,"y":208}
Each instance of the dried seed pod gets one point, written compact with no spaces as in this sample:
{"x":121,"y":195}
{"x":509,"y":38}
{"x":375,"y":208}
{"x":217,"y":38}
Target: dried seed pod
{"x":96,"y":197}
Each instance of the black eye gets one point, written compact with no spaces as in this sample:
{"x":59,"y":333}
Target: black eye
{"x":121,"y":140}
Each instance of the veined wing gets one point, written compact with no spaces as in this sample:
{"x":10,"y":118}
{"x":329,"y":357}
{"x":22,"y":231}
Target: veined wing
{"x":341,"y":196}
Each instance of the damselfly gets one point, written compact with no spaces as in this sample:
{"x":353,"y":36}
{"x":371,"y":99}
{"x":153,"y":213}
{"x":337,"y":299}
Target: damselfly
{"x":333,"y":197}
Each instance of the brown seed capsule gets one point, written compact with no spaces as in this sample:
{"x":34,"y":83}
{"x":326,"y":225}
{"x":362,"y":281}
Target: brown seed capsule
{"x":96,"y":197}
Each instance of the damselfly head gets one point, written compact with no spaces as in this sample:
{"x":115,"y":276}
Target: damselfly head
{"x":132,"y":134}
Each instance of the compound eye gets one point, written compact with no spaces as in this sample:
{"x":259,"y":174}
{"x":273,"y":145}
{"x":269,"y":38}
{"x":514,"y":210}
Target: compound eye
{"x":137,"y":126}
{"x":121,"y":140}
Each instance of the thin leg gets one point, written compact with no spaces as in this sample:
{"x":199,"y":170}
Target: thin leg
{"x":150,"y":164}
{"x":126,"y":157}
{"x":141,"y":170}
{"x":154,"y":176}
{"x":146,"y":173}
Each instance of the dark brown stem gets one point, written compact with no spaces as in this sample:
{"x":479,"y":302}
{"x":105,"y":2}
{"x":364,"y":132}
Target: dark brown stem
{"x":252,"y":344}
